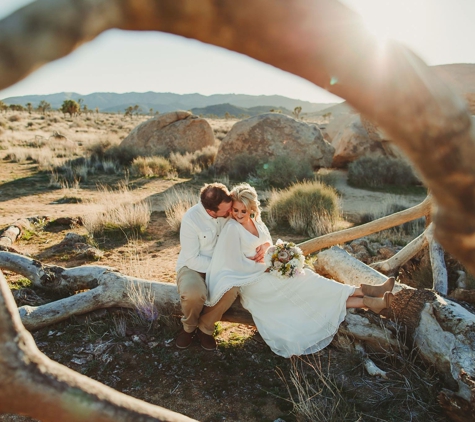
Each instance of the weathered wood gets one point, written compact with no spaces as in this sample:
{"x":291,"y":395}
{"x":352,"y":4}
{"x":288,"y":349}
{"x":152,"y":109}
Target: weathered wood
{"x":343,"y":236}
{"x":337,"y":264}
{"x":443,"y":330}
{"x":390,"y":265}
{"x":10,"y":236}
{"x":437,"y":261}
{"x":32,"y":384}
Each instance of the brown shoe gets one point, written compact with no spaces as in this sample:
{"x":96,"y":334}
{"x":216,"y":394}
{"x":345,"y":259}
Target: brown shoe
{"x":207,"y":342}
{"x":377,"y":304}
{"x":378,"y":290}
{"x":184,"y":339}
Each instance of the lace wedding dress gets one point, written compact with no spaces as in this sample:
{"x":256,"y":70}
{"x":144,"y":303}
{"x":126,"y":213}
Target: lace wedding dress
{"x":295,"y":316}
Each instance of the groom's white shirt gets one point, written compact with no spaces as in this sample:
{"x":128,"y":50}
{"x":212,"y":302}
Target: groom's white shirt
{"x":198,"y":236}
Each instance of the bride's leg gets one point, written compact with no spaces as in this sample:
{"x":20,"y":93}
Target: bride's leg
{"x":354,"y":302}
{"x":358,"y":292}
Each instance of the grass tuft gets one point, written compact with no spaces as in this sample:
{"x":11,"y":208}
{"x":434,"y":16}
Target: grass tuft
{"x":310,"y":208}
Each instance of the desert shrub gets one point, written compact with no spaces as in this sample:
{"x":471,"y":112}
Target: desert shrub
{"x":310,"y":208}
{"x":123,"y":155}
{"x":189,"y":163}
{"x":284,"y":171}
{"x":183,"y":163}
{"x":242,"y":166}
{"x":151,"y":166}
{"x":14,"y":118}
{"x":116,"y":212}
{"x":98,"y":149}
{"x":205,"y":157}
{"x":379,"y":172}
{"x":177,"y":201}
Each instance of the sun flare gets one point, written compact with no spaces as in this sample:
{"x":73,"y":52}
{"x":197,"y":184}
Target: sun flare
{"x":401,"y":20}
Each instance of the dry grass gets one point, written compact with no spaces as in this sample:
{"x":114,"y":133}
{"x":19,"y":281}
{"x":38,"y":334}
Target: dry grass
{"x":151,"y":166}
{"x":177,"y":202}
{"x":115,"y":211}
{"x":310,"y":208}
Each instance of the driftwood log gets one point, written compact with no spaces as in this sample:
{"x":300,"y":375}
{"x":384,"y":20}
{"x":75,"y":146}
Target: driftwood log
{"x":331,"y":239}
{"x":325,"y":43}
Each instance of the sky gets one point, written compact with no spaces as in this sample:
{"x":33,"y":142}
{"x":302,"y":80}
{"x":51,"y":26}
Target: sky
{"x":439,"y":31}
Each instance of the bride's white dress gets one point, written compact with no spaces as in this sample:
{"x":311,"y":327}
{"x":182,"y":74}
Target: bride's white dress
{"x":295,"y":316}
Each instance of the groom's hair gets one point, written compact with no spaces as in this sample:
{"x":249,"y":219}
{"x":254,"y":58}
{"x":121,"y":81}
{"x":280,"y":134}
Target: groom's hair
{"x":213,"y":194}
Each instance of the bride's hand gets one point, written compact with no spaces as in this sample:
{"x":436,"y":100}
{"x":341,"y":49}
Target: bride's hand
{"x":260,"y":252}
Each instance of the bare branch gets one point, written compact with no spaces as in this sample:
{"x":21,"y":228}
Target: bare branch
{"x":343,"y":236}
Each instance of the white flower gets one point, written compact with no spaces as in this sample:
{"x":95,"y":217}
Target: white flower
{"x":278,"y":264}
{"x":294,"y":263}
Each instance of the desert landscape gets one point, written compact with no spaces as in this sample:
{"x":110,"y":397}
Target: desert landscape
{"x":92,"y":198}
{"x":243,"y":380}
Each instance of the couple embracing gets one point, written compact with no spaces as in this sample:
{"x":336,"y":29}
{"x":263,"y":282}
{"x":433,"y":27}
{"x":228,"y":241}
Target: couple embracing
{"x":223,"y":244}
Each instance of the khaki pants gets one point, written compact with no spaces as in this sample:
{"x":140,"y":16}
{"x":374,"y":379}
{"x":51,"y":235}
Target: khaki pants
{"x":192,"y":290}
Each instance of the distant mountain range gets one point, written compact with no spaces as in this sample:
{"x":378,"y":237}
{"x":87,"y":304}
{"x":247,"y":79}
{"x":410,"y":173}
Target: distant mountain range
{"x":165,"y":101}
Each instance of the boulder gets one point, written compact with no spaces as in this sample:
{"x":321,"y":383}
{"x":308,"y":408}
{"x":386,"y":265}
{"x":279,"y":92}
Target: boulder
{"x":271,"y":135}
{"x":352,"y":141}
{"x":178,"y":131}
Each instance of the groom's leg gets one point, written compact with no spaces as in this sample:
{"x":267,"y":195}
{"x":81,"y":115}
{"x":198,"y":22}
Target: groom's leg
{"x":212,"y":314}
{"x":192,"y":290}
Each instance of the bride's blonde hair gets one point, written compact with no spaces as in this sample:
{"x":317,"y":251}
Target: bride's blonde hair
{"x":246,"y":194}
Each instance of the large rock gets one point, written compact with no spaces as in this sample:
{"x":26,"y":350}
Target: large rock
{"x":178,"y":131}
{"x":271,"y":135}
{"x":353,"y":139}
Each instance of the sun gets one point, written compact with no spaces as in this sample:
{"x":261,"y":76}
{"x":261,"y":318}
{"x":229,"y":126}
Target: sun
{"x":401,"y":20}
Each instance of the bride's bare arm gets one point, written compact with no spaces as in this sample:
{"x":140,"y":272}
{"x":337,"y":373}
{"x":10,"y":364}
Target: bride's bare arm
{"x":260,"y":252}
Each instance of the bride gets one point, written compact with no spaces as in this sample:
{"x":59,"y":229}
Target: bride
{"x":295,"y":316}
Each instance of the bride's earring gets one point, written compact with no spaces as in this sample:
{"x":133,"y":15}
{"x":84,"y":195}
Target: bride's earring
{"x":253,"y":215}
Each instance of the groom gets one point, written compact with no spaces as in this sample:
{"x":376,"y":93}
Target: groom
{"x":200,"y":228}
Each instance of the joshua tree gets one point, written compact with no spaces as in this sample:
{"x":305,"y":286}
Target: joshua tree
{"x":297,"y":111}
{"x":70,"y":107}
{"x":3,"y":106}
{"x":29,"y":107}
{"x":44,"y":106}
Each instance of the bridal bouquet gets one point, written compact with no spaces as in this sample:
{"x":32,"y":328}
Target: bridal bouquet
{"x":284,"y":260}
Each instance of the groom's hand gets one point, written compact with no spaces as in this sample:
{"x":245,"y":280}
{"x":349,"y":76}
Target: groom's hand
{"x":260,"y":252}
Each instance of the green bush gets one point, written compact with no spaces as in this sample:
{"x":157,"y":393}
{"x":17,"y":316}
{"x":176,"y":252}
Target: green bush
{"x":284,"y":170}
{"x":310,"y":208}
{"x":242,"y":166}
{"x":379,"y":172}
{"x":151,"y":166}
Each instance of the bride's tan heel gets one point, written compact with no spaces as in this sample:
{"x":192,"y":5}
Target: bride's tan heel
{"x":379,"y":290}
{"x":377,"y":304}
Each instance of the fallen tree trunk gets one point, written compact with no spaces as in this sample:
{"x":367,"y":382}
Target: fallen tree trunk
{"x":390,"y":265}
{"x":34,"y":385}
{"x":343,"y":236}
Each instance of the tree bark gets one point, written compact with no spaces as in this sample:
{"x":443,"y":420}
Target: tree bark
{"x":343,"y":236}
